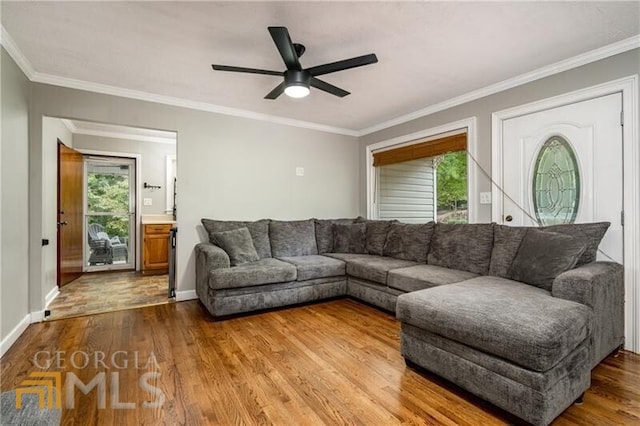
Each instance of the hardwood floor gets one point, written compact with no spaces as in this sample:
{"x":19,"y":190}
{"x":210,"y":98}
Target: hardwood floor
{"x":335,"y":362}
{"x":107,"y":292}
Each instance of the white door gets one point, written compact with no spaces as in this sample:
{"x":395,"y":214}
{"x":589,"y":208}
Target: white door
{"x":564,"y":165}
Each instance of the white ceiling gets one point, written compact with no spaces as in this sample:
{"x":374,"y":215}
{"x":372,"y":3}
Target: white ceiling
{"x":428,"y":52}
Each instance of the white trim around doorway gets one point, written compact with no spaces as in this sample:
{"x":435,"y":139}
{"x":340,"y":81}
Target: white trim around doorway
{"x":628,"y":86}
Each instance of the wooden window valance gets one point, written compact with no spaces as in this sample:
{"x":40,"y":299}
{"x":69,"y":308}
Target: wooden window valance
{"x":421,"y":150}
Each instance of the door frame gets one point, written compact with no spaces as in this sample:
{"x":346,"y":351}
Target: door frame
{"x":467,"y":125}
{"x":628,"y":86}
{"x":138,"y":197}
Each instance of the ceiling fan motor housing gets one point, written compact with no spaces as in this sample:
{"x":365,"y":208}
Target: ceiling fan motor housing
{"x":297,"y":78}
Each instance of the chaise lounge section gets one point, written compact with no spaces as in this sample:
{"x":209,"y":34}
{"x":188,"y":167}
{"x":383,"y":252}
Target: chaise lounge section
{"x":517,"y":316}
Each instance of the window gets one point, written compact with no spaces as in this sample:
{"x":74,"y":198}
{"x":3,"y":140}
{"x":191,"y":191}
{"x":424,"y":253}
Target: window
{"x":423,"y":181}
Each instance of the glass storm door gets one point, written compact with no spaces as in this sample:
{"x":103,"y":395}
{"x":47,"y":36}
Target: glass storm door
{"x":564,"y":165}
{"x":109,"y":213}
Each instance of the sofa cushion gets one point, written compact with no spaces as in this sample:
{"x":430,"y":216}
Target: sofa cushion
{"x":374,"y":268}
{"x":349,"y":238}
{"x":512,"y":320}
{"x":419,"y":277}
{"x":324,"y":233}
{"x":409,"y":241}
{"x":590,"y":233}
{"x":259,"y":231}
{"x":316,"y":266}
{"x":238,"y":245}
{"x":376,"y":234}
{"x":543,"y":256}
{"x":506,"y":241}
{"x":462,"y":246}
{"x":292,"y":238}
{"x":263,"y":271}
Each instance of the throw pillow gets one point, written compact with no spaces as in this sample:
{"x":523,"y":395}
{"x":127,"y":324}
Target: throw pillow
{"x":238,"y":245}
{"x":466,"y":247}
{"x":259,"y":231}
{"x":589,"y":233}
{"x":543,"y":256}
{"x":349,"y":238}
{"x":409,"y":241}
{"x":506,"y":241}
{"x":376,"y":237}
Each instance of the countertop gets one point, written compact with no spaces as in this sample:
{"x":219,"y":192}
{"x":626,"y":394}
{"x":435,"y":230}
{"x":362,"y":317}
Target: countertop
{"x":153,"y":219}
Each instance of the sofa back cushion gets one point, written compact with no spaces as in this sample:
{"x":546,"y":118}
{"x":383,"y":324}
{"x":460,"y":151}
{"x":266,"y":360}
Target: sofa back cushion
{"x":324,"y":233}
{"x":350,"y":238}
{"x":543,"y":255}
{"x":293,"y":238}
{"x":462,"y":246}
{"x":259,"y":231}
{"x":506,"y":241}
{"x":376,"y":234}
{"x":409,"y":241}
{"x":238,"y":244}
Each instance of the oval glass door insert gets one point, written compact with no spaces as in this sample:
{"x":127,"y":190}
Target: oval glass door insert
{"x":556,"y":183}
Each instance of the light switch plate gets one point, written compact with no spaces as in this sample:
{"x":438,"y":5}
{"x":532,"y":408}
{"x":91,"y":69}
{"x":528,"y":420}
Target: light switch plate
{"x":147,"y":201}
{"x":485,"y":198}
{"x":299,"y":171}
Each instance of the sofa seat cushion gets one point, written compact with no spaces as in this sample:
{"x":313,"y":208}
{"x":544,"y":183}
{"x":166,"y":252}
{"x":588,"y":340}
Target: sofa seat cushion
{"x":374,"y":268}
{"x":316,"y":266}
{"x":263,"y":271}
{"x":419,"y":277}
{"x":508,"y":319}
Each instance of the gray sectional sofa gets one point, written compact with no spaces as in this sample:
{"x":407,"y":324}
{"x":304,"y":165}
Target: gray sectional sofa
{"x":518,"y":316}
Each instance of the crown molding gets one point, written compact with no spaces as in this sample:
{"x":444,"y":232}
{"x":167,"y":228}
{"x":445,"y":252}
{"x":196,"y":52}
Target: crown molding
{"x":558,"y":67}
{"x":16,"y":54}
{"x":184,"y":103}
{"x":69,"y":125}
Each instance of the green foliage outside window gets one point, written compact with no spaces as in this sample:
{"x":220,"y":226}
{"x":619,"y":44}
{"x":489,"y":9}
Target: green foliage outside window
{"x":109,"y":193}
{"x":451,"y":178}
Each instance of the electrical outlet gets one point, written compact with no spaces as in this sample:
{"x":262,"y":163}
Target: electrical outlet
{"x":147,"y":201}
{"x":485,"y":198}
{"x":299,"y":171}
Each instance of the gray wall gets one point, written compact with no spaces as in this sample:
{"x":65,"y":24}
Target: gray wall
{"x":14,"y":175}
{"x":153,"y":158}
{"x":53,"y":129}
{"x":228,"y":167}
{"x":602,"y":71}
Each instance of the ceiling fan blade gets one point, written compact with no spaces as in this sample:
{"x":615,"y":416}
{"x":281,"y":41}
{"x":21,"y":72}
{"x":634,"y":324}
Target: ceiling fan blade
{"x":247,"y":70}
{"x":279,"y":90}
{"x":329,"y":88}
{"x":283,"y":42}
{"x":343,"y":65}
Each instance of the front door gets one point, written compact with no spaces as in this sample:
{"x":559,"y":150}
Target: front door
{"x":564,"y":165}
{"x":69,"y":214}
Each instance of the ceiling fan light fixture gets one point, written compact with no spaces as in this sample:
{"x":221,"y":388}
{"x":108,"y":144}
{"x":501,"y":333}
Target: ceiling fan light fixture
{"x":296,"y":91}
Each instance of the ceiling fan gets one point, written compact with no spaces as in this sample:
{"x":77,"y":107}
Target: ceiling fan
{"x":297,"y":79}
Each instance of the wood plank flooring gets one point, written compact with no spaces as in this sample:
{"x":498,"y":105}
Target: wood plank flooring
{"x":336,"y":362}
{"x":107,"y":292}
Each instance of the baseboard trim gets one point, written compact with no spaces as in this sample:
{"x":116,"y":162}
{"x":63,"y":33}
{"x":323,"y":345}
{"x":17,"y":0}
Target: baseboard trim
{"x":181,"y":296}
{"x":14,"y":334}
{"x":37,"y":316}
{"x":51,"y":296}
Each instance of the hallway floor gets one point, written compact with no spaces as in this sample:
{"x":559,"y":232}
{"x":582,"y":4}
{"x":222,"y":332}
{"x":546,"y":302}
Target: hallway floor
{"x":107,"y":292}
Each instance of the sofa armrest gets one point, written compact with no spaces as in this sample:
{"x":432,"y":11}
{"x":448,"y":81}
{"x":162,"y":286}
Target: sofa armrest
{"x":599,"y":285}
{"x":208,"y":258}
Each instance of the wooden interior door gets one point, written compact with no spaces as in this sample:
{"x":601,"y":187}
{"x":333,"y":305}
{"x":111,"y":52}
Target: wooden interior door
{"x":70,"y":203}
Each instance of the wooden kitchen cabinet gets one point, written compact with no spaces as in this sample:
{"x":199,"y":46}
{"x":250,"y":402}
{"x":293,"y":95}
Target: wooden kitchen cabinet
{"x":155,"y":248}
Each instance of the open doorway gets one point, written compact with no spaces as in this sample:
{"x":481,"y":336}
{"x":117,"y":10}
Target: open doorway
{"x":117,"y":181}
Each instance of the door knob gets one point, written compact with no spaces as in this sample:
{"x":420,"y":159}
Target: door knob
{"x":63,"y":223}
{"x":508,"y":218}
